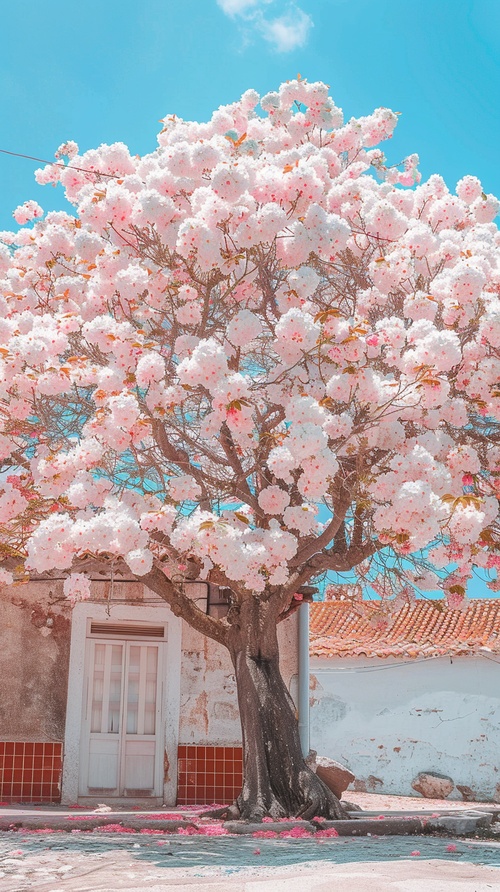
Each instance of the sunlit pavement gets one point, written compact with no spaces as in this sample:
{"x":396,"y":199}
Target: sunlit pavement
{"x":79,"y":861}
{"x":90,"y":862}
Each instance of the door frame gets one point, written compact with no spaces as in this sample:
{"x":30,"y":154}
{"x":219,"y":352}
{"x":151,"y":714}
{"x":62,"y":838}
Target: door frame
{"x":121,"y":738}
{"x":83,"y":614}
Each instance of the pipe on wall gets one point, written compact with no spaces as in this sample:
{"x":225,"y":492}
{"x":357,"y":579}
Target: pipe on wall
{"x":303,"y":677}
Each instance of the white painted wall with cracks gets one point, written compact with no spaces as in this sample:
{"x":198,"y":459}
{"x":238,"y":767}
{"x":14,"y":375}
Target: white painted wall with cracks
{"x":389,"y":719}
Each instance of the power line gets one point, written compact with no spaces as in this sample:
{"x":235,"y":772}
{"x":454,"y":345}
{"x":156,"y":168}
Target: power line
{"x":491,"y":659}
{"x":361,"y":669}
{"x":96,"y":173}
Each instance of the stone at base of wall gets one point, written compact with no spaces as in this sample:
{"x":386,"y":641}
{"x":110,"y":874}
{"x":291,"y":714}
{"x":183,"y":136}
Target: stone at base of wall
{"x":460,"y":825}
{"x":336,"y":776}
{"x":433,"y":785}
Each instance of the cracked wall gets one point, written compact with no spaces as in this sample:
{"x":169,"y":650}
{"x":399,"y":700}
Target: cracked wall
{"x":387,"y":721}
{"x":209,"y":705}
{"x":34,"y":662}
{"x":34,"y":659}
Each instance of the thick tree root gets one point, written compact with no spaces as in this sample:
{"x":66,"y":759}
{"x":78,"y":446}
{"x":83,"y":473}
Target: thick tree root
{"x":254,"y":812}
{"x":310,"y":799}
{"x":227,"y":813}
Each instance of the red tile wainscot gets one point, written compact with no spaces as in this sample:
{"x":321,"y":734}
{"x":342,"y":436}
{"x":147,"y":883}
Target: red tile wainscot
{"x":208,"y":774}
{"x":30,"y":772}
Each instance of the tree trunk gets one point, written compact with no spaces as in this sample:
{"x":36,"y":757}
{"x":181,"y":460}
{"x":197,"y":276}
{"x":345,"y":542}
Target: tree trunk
{"x":276,"y":780}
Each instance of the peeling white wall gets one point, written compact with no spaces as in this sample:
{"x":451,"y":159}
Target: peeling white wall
{"x":209,"y":704}
{"x":387,"y":720}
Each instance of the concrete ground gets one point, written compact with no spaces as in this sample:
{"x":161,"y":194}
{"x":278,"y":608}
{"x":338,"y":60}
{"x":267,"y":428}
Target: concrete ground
{"x":119,"y":865}
{"x":99,"y":861}
{"x":382,"y":803}
{"x":373,"y":803}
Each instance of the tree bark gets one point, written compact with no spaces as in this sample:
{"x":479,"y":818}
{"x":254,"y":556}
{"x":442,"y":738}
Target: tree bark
{"x":276,"y":780}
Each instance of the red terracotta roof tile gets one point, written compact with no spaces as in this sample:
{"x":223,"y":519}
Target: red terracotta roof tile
{"x":424,"y":628}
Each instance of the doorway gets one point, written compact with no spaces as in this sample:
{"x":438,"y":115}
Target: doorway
{"x":122,"y":738}
{"x":122,"y":717}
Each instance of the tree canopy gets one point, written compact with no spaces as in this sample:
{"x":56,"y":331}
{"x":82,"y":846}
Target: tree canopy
{"x":253,"y":356}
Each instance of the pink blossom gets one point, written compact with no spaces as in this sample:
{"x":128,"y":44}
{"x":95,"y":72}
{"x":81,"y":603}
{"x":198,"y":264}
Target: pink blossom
{"x":284,"y":339}
{"x":26,"y":212}
{"x":77,"y":587}
{"x":213,"y":830}
{"x":68,"y":149}
{"x":297,"y":832}
{"x":140,"y":560}
{"x":184,"y":487}
{"x":327,"y":833}
{"x":273,"y":500}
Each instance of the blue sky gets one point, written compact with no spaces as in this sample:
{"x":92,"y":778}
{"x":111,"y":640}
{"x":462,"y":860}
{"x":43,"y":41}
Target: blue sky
{"x":99,"y":71}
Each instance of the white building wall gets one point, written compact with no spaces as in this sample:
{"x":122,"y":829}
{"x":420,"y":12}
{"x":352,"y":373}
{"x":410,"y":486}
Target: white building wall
{"x":209,"y":705}
{"x":387,"y":720}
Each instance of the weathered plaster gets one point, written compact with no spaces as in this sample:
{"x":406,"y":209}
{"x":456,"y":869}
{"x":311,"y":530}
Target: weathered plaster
{"x":209,"y":709}
{"x":209,"y":704}
{"x":38,"y":626}
{"x":34,"y":655}
{"x":387,"y":720}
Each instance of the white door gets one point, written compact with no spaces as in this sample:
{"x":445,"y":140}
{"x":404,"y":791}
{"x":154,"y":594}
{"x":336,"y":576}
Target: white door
{"x":122,"y":723}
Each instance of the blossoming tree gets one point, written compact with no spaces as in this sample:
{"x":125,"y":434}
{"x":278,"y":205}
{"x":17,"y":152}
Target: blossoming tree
{"x":254,"y":356}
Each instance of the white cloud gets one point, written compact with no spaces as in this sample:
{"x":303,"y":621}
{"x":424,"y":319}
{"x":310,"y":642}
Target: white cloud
{"x":237,"y":7}
{"x":286,"y":31}
{"x":289,"y":31}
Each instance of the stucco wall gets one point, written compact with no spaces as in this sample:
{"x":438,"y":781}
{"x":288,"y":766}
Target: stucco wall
{"x":209,"y":706}
{"x":35,"y":633}
{"x":387,"y":721}
{"x":34,"y":654}
{"x":34,"y":661}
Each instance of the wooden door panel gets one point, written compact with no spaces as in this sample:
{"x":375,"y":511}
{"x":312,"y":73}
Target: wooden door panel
{"x":103,"y":764}
{"x":121,"y":749}
{"x":139,"y":767}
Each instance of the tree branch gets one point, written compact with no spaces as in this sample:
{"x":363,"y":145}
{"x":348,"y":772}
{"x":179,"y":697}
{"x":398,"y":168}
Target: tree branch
{"x":241,"y":481}
{"x":184,"y":607}
{"x":346,"y":560}
{"x":313,"y":546}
